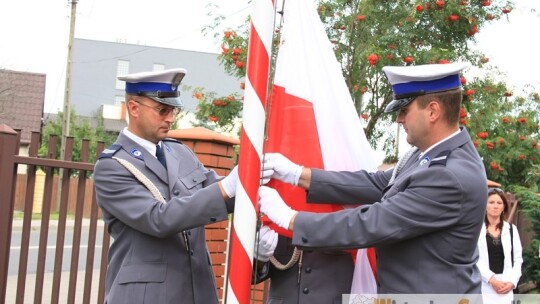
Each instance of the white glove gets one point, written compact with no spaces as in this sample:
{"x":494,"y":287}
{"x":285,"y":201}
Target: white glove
{"x":268,"y":239}
{"x":281,"y":168}
{"x":229,"y":182}
{"x":274,"y":207}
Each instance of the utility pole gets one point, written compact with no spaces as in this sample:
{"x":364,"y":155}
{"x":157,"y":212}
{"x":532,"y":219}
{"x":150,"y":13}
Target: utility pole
{"x":67,"y":104}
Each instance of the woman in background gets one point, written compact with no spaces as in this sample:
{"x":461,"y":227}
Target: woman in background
{"x":500,"y":274}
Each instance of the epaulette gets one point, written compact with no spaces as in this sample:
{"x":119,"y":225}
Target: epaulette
{"x":110,"y":151}
{"x":173,"y":140}
{"x":440,"y":160}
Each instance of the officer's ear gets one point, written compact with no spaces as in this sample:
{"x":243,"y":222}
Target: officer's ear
{"x":132,"y":107}
{"x":434,"y":109}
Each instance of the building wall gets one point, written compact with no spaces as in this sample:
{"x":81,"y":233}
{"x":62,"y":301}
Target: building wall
{"x":94,"y":72}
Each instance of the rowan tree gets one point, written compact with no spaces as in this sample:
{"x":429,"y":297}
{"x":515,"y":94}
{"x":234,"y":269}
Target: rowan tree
{"x":504,"y":129}
{"x":222,"y":111}
{"x":368,"y":35}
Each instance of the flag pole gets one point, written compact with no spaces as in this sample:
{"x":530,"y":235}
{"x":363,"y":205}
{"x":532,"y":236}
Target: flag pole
{"x":242,"y":241}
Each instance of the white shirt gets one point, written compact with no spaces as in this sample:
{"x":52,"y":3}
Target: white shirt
{"x":148,"y":145}
{"x":438,"y":143}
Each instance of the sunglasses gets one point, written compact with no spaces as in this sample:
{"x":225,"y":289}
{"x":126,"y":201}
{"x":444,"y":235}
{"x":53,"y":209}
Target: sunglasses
{"x":162,"y":111}
{"x":495,"y":191}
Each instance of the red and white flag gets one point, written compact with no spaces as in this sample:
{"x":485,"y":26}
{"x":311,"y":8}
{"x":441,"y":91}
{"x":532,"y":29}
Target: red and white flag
{"x":312,"y":118}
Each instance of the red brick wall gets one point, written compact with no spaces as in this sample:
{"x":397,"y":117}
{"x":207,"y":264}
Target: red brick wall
{"x":216,"y":152}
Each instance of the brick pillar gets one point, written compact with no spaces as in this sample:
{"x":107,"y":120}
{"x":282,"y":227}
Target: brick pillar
{"x":215,"y":151}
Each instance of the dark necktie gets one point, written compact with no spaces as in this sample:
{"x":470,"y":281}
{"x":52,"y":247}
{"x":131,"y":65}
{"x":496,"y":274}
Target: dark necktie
{"x":160,"y":156}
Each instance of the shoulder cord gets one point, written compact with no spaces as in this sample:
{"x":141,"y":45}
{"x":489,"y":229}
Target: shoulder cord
{"x":296,"y":256}
{"x":401,"y":163}
{"x":153,"y":189}
{"x":142,"y":178}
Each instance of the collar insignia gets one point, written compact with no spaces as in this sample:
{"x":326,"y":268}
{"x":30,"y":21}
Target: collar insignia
{"x":137,"y":153}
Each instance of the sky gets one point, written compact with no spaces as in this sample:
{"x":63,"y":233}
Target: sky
{"x":512,"y":44}
{"x":38,"y":39}
{"x":34,"y":34}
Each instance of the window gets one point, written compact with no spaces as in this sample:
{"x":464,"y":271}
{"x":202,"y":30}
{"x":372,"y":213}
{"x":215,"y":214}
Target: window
{"x":118,"y":99}
{"x":122,"y":68}
{"x":158,"y":67}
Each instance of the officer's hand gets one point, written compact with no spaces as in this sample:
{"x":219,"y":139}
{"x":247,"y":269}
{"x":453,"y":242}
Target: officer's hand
{"x":275,"y":165}
{"x":274,"y":207}
{"x":268,"y":239}
{"x":228,"y":184}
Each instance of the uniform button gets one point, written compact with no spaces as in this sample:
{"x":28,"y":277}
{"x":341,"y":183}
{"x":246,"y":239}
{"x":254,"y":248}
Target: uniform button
{"x":308,"y":269}
{"x":189,"y":233}
{"x":191,"y":252}
{"x":305,"y":290}
{"x":176,"y":192}
{"x":212,"y":219}
{"x":194,"y":179}
{"x":304,"y":240}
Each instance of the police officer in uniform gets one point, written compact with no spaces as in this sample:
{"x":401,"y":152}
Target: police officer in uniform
{"x":301,"y":276}
{"x":426,"y":213}
{"x":156,"y":197}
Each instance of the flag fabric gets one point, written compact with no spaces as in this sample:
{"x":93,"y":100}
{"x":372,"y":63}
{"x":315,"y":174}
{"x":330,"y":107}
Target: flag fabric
{"x":312,"y":119}
{"x":243,"y":229}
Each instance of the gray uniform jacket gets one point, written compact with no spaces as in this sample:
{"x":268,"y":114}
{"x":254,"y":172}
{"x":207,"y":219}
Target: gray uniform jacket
{"x":150,"y":259}
{"x":424,"y":226}
{"x":322,"y":277}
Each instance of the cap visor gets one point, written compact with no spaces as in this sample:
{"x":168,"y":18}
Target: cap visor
{"x":171,"y":101}
{"x":397,"y":104}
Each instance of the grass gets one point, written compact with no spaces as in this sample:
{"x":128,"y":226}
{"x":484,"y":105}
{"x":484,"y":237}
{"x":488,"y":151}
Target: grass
{"x":19,"y":215}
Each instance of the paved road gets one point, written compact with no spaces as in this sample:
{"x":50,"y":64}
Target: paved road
{"x":15,"y":248}
{"x":47,"y":287}
{"x":15,"y":251}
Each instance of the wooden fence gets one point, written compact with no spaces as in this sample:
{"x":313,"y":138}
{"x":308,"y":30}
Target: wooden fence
{"x":74,"y":207}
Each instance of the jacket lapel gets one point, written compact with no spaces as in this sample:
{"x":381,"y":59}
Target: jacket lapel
{"x":150,"y":161}
{"x":173,"y":163}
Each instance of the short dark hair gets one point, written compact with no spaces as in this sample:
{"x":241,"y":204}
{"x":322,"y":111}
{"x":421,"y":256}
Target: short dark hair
{"x":449,"y":100}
